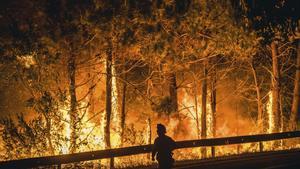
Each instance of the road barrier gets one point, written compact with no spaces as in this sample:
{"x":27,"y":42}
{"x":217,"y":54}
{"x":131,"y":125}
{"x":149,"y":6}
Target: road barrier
{"x":134,"y":150}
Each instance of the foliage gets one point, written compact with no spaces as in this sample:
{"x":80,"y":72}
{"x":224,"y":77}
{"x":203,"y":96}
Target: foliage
{"x":164,"y":106}
{"x":134,"y":136}
{"x":23,"y":139}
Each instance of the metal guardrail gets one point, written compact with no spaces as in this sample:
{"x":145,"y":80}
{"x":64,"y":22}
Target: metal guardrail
{"x":118,"y":152}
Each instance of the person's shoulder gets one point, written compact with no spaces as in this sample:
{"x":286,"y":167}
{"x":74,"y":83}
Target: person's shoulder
{"x":169,"y":138}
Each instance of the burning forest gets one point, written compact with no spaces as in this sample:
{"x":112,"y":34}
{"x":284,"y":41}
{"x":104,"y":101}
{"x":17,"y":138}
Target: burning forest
{"x":98,"y":74}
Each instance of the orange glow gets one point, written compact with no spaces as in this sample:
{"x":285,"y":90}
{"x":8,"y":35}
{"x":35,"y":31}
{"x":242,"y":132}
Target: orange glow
{"x":90,"y":132}
{"x":270,"y":115}
{"x":116,"y":116}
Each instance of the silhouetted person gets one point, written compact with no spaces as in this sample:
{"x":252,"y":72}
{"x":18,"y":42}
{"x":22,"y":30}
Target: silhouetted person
{"x":162,"y":148}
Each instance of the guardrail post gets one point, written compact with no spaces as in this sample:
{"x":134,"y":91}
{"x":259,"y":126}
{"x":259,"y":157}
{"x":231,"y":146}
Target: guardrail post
{"x":213,"y":151}
{"x":111,"y":164}
{"x":261,"y":147}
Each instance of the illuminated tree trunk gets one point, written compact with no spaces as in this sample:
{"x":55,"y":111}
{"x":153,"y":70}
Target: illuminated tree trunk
{"x":213,"y":105}
{"x":275,"y":88}
{"x":214,"y":101}
{"x":149,"y":130}
{"x":108,"y":102}
{"x":196,"y":109}
{"x":108,"y":106}
{"x":149,"y":135}
{"x":296,"y":95}
{"x":174,"y":102}
{"x":116,"y":114}
{"x":123,"y":108}
{"x":258,"y":99}
{"x":73,"y":102}
{"x":203,"y":107}
{"x":173,"y":91}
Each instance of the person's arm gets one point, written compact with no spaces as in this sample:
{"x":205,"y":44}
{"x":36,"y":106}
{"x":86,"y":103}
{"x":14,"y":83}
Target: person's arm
{"x":154,"y":150}
{"x":173,"y":144}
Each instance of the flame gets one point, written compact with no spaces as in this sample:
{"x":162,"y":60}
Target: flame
{"x":189,"y":106}
{"x":89,"y":132}
{"x":270,"y":120}
{"x":148,"y":130}
{"x":116,"y":116}
{"x":66,"y":130}
{"x":93,"y":133}
{"x":2,"y":149}
{"x":270,"y":115}
{"x":190,"y":110}
{"x":209,"y":120}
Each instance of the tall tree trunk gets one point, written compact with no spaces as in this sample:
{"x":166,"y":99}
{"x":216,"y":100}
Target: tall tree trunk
{"x":108,"y":102}
{"x":275,"y":88}
{"x":296,"y":95}
{"x":203,"y":107}
{"x":149,"y":134}
{"x":123,"y":108}
{"x":213,"y":100}
{"x":196,"y":108}
{"x":173,"y":91}
{"x":73,"y":102}
{"x":258,"y":99}
{"x":281,"y":120}
{"x":213,"y":104}
{"x":108,"y":106}
{"x":174,"y":102}
{"x":149,"y":130}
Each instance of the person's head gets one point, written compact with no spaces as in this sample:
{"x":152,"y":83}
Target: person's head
{"x":161,"y":129}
